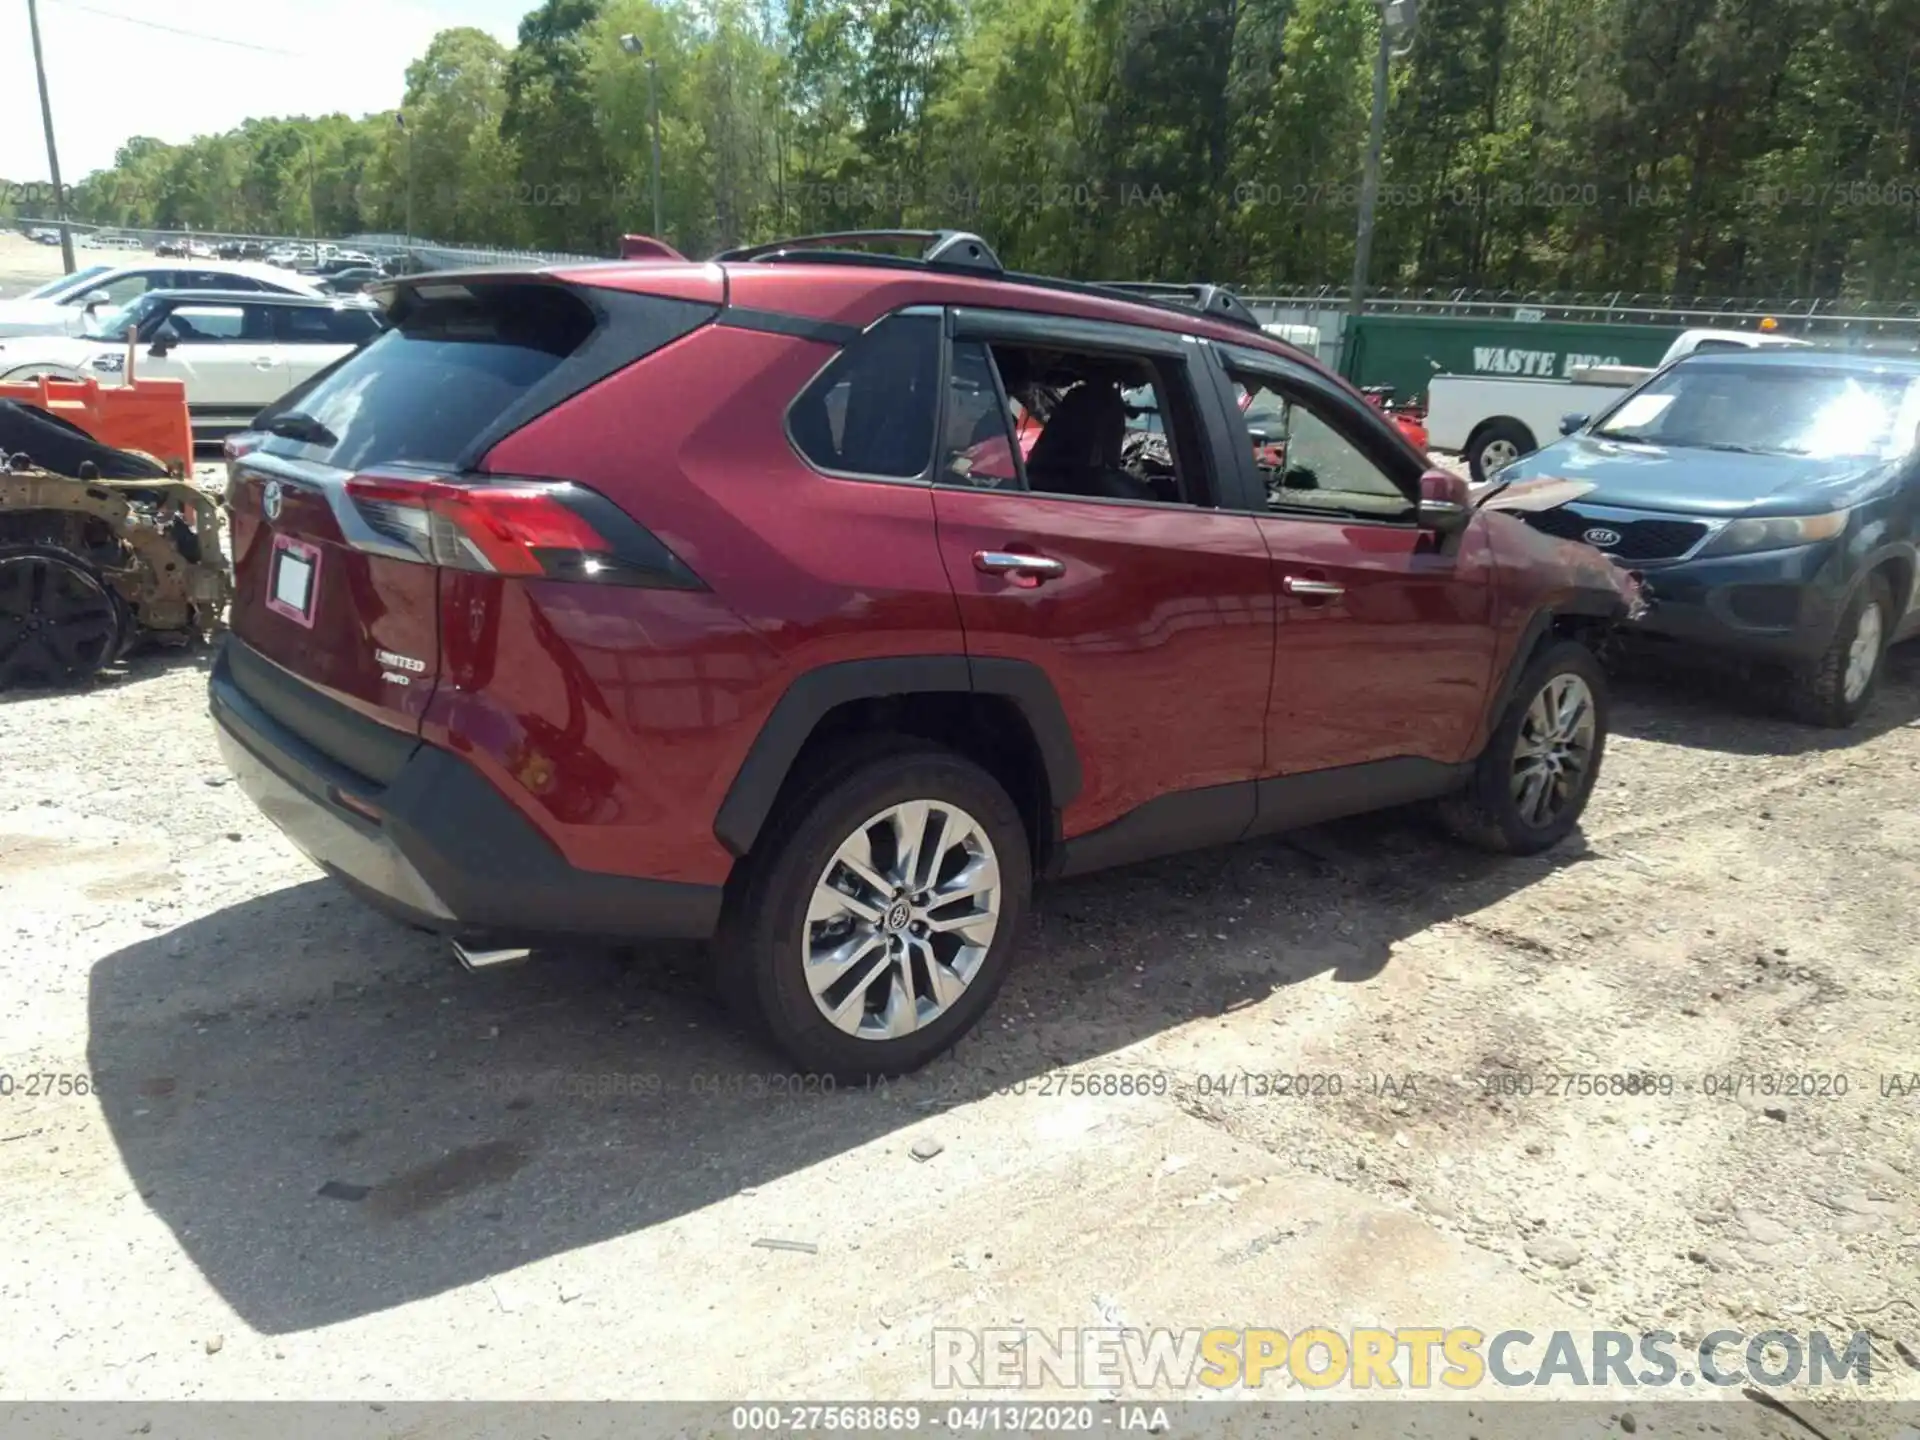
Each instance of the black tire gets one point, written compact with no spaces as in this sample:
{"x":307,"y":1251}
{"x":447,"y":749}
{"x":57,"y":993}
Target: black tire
{"x":758,"y":949}
{"x":60,"y":621}
{"x":1817,"y":693}
{"x":1486,"y":813}
{"x":1492,"y":433}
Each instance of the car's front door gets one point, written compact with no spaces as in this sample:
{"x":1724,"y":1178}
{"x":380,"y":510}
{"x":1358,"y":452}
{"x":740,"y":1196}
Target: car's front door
{"x":1100,"y":557}
{"x":1384,"y":639}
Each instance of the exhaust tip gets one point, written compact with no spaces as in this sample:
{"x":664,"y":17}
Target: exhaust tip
{"x":487,"y":959}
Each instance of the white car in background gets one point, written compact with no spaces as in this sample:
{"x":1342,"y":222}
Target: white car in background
{"x":60,"y":307}
{"x":237,"y":350}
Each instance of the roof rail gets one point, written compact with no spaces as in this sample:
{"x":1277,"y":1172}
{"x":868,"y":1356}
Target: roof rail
{"x":1213,"y":300}
{"x":963,"y":250}
{"x":957,"y":249}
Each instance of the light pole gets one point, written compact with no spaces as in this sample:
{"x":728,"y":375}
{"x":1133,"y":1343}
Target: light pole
{"x":313,"y":220}
{"x":400,"y":119}
{"x":634,"y":45}
{"x":1397,"y":21}
{"x":53,"y":154}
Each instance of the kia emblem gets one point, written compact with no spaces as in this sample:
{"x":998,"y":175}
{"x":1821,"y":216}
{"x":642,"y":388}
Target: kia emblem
{"x":1599,"y":536}
{"x":270,"y":501}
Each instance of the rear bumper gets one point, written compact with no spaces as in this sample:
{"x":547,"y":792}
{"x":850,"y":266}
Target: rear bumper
{"x":447,"y":852}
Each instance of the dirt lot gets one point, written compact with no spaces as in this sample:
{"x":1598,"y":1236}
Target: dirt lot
{"x":318,"y":1160}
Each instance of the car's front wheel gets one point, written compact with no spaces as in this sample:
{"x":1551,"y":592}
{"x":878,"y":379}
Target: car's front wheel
{"x":1836,"y":689}
{"x":878,"y":917}
{"x":1532,"y":782}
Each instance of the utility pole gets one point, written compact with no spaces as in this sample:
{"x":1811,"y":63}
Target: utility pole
{"x":313,"y":220}
{"x":53,"y":153}
{"x":634,"y":45}
{"x":1397,"y":19}
{"x":400,"y":119}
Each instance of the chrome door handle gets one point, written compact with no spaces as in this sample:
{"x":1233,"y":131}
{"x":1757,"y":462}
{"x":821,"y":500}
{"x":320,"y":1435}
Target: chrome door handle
{"x":1012,"y":562}
{"x":264,"y":362}
{"x":1320,"y":589}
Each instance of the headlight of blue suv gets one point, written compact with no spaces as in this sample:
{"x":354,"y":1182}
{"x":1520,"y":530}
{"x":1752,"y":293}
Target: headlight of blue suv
{"x":1743,"y":537}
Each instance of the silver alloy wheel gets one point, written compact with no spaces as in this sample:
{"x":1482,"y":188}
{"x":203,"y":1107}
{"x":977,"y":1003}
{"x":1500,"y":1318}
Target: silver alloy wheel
{"x":901,"y":919}
{"x":1554,"y":749}
{"x":1863,"y":655}
{"x":1496,"y":455}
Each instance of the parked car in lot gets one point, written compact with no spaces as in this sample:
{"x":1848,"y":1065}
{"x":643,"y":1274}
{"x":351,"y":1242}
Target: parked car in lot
{"x":61,"y":306}
{"x":1771,"y":499}
{"x":237,"y":351}
{"x":1493,"y":420}
{"x":671,"y":599}
{"x":349,"y":280}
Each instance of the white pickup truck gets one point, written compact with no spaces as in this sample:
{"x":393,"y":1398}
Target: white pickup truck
{"x":1494,"y":420}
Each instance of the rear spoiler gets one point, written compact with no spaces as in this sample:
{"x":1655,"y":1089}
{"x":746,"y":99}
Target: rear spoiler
{"x":645,"y":247}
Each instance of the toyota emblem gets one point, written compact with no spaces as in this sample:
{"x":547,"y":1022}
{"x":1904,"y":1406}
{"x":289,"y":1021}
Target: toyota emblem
{"x":270,"y":501}
{"x":1602,"y":537}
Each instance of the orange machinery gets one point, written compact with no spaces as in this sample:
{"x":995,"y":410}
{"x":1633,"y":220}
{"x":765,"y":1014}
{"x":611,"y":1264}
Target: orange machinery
{"x":149,"y":415}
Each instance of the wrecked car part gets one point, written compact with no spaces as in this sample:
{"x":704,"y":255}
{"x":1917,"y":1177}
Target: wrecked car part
{"x":150,"y":545}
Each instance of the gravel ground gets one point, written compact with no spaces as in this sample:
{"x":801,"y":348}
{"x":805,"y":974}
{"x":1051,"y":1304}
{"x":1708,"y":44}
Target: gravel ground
{"x":316,"y":1153}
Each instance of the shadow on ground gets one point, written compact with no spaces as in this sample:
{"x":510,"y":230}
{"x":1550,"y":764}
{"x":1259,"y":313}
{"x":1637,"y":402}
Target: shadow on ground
{"x":147,"y":662}
{"x":334,"y":1120}
{"x":1679,"y":697}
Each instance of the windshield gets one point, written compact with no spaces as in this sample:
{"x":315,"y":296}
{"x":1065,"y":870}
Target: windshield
{"x":111,"y":324}
{"x":1771,"y":410}
{"x":74,"y":284}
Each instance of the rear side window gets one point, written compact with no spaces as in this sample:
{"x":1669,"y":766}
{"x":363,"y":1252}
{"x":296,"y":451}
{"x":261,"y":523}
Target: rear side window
{"x":428,"y":388}
{"x":872,"y":410}
{"x":316,"y":325}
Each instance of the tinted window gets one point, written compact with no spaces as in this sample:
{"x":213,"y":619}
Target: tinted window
{"x":215,"y":280}
{"x":427,"y":389}
{"x":314,"y":325}
{"x":871,"y":411}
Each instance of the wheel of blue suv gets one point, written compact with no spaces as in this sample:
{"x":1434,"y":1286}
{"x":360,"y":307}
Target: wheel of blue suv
{"x":876,"y":918}
{"x":1836,"y":689}
{"x":1531,"y":784}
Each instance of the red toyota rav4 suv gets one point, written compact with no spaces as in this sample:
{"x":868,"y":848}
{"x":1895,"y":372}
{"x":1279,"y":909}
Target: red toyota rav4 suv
{"x":655,"y":599}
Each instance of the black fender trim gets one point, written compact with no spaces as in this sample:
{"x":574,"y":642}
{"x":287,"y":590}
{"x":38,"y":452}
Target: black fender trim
{"x":808,"y":699}
{"x":1523,"y":652}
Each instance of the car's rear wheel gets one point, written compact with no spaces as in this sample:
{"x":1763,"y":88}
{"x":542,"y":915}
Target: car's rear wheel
{"x":1496,"y":445}
{"x":1532,"y":782}
{"x":878,"y":917}
{"x":1836,"y":689}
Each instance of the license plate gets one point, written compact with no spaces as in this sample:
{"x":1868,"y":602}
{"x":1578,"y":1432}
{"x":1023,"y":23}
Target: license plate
{"x":293,"y":579}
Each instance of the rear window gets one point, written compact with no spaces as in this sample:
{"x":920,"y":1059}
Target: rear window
{"x":425,"y":390}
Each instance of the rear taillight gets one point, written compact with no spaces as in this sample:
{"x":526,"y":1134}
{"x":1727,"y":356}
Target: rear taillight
{"x":515,"y":527}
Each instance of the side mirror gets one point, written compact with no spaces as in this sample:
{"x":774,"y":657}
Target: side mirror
{"x":1446,"y":504}
{"x":1571,"y":423}
{"x":164,"y":339}
{"x":95,"y":298}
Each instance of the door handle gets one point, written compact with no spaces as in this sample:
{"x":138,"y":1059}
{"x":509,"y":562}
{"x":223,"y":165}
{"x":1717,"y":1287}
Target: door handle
{"x":1316,"y":589}
{"x":1028,"y":569}
{"x":264,"y":362}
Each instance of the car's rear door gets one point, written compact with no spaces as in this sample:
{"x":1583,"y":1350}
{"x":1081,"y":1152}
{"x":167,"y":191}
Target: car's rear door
{"x":226,"y":354}
{"x":1152,"y":616}
{"x":312,"y":337}
{"x":1384,"y":642}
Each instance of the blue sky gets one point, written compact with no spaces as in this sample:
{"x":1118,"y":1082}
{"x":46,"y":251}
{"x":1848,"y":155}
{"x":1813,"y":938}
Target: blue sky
{"x":111,"y":79}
